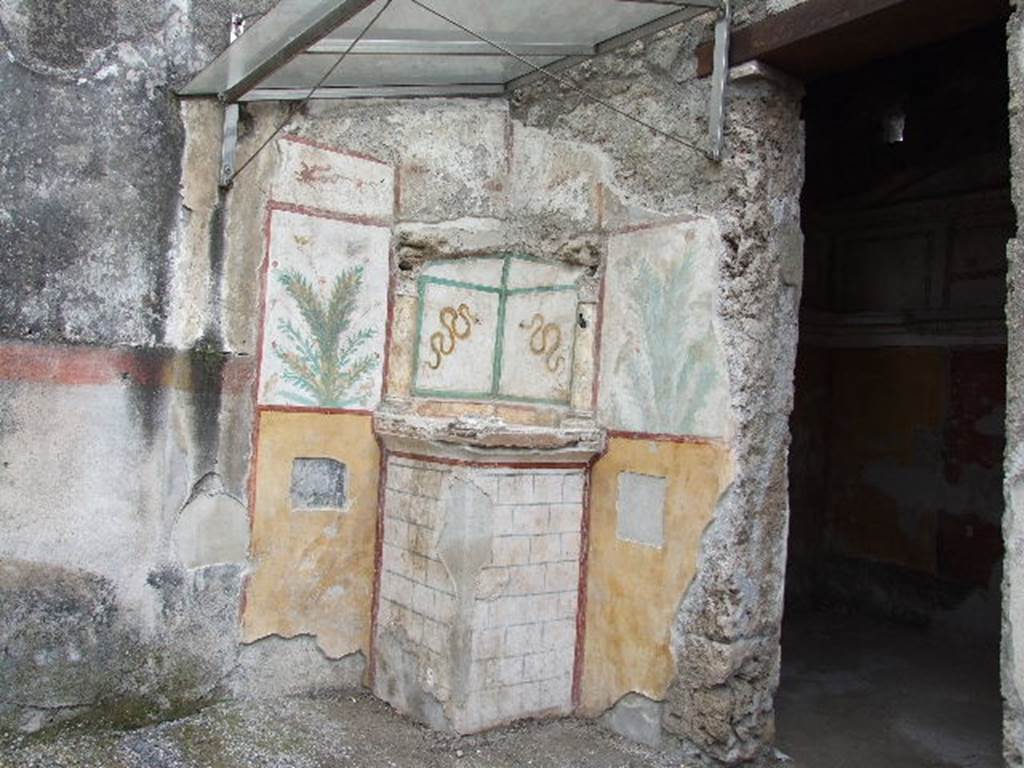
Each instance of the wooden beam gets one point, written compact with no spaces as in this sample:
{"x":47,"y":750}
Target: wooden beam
{"x":821,"y":37}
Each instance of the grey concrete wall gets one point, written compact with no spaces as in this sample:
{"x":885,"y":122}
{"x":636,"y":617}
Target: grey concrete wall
{"x":1013,"y":518}
{"x":125,"y":405}
{"x":91,"y":161}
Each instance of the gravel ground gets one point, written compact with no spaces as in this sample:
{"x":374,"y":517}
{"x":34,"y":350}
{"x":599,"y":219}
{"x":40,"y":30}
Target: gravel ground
{"x":354,"y":730}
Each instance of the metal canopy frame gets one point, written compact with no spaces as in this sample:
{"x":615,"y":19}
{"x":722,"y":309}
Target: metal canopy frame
{"x":284,"y":55}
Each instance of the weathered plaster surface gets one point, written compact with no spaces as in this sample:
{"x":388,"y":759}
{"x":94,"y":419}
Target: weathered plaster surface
{"x":601,"y":173}
{"x":476,"y":624}
{"x":98,"y":493}
{"x":726,"y":633}
{"x":91,"y":160}
{"x":312,"y":569}
{"x":126,"y":423}
{"x":212,"y":527}
{"x":333,"y":180}
{"x":662,"y":365}
{"x":450,"y":155}
{"x":1013,"y":518}
{"x":634,"y":591}
{"x":105,"y":249}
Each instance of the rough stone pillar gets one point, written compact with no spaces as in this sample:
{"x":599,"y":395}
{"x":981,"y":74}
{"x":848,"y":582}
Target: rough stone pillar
{"x":727,"y":633}
{"x":1013,"y":517}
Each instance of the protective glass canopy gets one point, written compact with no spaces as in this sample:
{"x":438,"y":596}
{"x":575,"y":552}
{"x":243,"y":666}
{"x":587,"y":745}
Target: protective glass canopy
{"x":425,"y":47}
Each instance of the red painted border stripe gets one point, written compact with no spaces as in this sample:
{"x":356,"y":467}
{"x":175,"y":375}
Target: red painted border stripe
{"x":489,"y":464}
{"x":315,"y":409}
{"x":385,"y":372}
{"x":268,"y":223}
{"x":378,"y":566}
{"x":323,"y":213}
{"x":581,"y":598}
{"x":68,"y":365}
{"x":662,"y":437}
{"x":238,"y":374}
{"x":398,"y":191}
{"x":71,"y":365}
{"x":668,"y":221}
{"x":328,"y":148}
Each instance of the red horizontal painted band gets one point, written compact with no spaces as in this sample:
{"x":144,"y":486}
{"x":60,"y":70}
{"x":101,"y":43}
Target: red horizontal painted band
{"x":503,"y":464}
{"x":94,"y":366}
{"x":336,"y":150}
{"x":662,"y":437}
{"x":321,"y":213}
{"x":314,"y":410}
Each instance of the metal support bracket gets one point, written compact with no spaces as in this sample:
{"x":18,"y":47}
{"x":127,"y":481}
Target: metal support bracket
{"x":229,"y":139}
{"x":302,"y":27}
{"x":719,"y":80}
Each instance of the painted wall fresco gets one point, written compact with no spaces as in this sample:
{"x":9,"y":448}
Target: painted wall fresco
{"x":458,"y":331}
{"x":313,"y":568}
{"x":496,"y":328}
{"x":662,"y":369}
{"x":913,"y":440}
{"x":634,"y":588}
{"x":501,"y":330}
{"x":325,"y":314}
{"x":333,"y":180}
{"x":316,"y":460}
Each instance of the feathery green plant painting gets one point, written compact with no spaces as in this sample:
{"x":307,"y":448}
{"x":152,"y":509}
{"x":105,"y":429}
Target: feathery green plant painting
{"x":322,"y":361}
{"x":681,"y":374}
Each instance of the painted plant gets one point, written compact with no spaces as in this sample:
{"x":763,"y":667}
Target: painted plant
{"x":678,"y":370}
{"x":323,"y":360}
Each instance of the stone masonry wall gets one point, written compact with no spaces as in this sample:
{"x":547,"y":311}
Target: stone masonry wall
{"x":726,"y":635}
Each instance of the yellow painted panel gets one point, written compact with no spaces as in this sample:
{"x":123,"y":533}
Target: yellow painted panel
{"x":887,"y":413}
{"x":634,"y":590}
{"x":313,"y":569}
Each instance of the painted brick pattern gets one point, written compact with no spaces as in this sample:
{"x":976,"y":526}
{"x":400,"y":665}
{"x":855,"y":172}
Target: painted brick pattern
{"x":416,"y":592}
{"x":524,"y":618}
{"x":523,"y":610}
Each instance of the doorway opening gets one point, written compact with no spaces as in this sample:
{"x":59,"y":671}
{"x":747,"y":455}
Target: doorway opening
{"x":891,"y":631}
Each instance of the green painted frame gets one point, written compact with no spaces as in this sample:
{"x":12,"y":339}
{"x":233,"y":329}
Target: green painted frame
{"x":497,"y":358}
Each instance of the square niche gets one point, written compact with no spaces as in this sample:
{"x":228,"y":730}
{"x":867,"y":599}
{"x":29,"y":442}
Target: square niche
{"x":500,"y":328}
{"x":318,"y":483}
{"x":640,"y":509}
